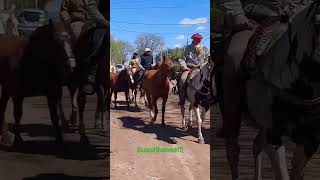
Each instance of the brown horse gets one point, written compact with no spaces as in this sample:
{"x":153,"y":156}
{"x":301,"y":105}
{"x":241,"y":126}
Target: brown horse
{"x":157,"y":66}
{"x":100,"y":87}
{"x":156,"y":85}
{"x":120,"y":83}
{"x":34,"y":72}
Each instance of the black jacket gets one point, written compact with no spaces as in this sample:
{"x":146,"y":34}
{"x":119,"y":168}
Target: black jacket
{"x":146,"y":61}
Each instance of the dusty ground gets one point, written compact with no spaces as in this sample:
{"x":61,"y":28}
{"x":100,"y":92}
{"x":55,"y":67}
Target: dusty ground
{"x":39,"y":158}
{"x":131,"y":129}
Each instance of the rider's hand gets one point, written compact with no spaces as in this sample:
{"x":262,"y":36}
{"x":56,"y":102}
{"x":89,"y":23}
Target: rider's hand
{"x":241,"y":22}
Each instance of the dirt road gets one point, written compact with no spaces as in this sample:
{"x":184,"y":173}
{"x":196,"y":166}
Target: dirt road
{"x":39,"y":158}
{"x":131,"y":129}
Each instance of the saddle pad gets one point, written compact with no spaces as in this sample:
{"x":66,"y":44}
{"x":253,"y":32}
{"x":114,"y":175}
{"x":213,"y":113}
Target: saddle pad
{"x":193,"y":73}
{"x":268,"y":48}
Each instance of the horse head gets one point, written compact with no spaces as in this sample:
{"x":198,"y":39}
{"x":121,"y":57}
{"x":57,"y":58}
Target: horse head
{"x":167,"y":69}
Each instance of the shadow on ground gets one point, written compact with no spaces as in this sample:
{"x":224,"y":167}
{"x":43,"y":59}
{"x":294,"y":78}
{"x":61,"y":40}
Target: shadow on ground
{"x":62,"y":177}
{"x":70,"y":150}
{"x":122,"y":106}
{"x":163,"y":133}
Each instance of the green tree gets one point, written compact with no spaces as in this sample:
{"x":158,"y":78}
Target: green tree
{"x":119,"y":51}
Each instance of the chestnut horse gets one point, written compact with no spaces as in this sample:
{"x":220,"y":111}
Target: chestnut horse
{"x":156,"y":84}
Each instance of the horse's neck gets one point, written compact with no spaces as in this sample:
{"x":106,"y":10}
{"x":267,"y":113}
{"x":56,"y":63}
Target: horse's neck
{"x":161,"y":76}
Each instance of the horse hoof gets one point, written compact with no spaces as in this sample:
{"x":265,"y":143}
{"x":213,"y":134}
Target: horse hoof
{"x":18,"y":141}
{"x":7,"y":139}
{"x":84,"y":140}
{"x":201,"y":141}
{"x":73,"y":119}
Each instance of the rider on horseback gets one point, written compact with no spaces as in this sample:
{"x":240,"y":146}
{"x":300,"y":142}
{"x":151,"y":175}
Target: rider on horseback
{"x":134,"y":64}
{"x":147,"y":59}
{"x":195,"y":54}
{"x":80,"y":16}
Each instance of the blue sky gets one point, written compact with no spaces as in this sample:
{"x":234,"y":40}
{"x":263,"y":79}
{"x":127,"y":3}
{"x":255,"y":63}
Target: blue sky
{"x":161,"y":17}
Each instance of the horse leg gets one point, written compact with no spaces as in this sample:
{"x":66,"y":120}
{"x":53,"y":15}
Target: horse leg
{"x":150,"y":105}
{"x":127,"y":98}
{"x":7,"y":137}
{"x":17,"y":106}
{"x":74,"y":111}
{"x":115,"y":99}
{"x":135,"y":97}
{"x":233,"y":151}
{"x":100,"y":107}
{"x":164,"y":101}
{"x":64,"y":121}
{"x":155,"y":108}
{"x":182,"y":108}
{"x":303,"y":154}
{"x":53,"y":108}
{"x":258,"y":144}
{"x":198,"y":116}
{"x":110,"y":98}
{"x":190,"y":116}
{"x":81,"y":104}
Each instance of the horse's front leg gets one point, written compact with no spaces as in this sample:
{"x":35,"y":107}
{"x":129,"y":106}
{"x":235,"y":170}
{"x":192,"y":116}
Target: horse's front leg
{"x":127,"y":98}
{"x":303,"y":154}
{"x":81,"y":104}
{"x":64,"y":121}
{"x":115,"y":99}
{"x":99,"y":114}
{"x":53,"y":99}
{"x":182,"y":108}
{"x":190,"y":116}
{"x":164,"y":102}
{"x":17,"y":105}
{"x":198,"y":116}
{"x":154,"y":109}
{"x":7,"y":137}
{"x":74,"y":111}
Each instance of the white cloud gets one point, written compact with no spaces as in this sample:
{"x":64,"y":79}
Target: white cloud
{"x":199,"y":28}
{"x":188,"y":21}
{"x":177,"y":45}
{"x":180,"y":37}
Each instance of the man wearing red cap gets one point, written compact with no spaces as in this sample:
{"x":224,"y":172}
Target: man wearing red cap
{"x":195,"y":54}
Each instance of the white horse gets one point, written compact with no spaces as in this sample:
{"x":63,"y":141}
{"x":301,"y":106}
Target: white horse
{"x":197,"y":92}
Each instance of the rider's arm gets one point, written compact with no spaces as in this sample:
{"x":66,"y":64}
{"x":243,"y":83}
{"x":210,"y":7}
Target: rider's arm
{"x":230,"y":7}
{"x":64,"y":13}
{"x":94,"y":13}
{"x":140,"y":66}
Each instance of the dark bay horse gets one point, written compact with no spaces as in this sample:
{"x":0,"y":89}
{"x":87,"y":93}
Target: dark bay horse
{"x":156,"y":84}
{"x":35,"y":72}
{"x":120,"y":83}
{"x":102,"y":78}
